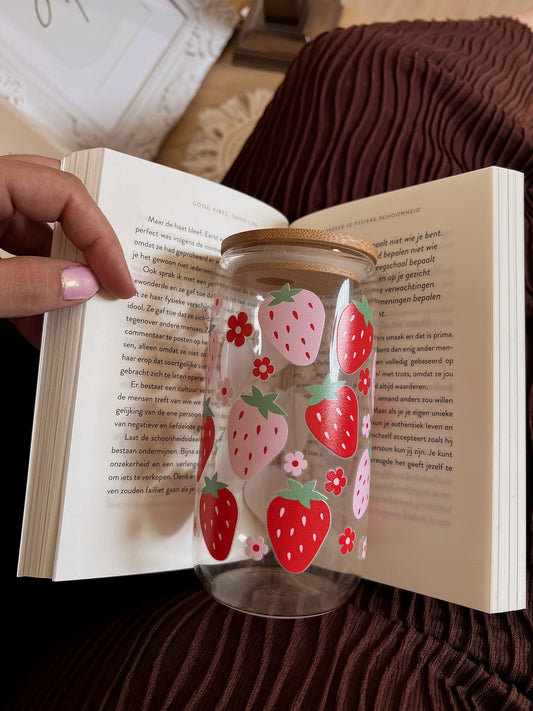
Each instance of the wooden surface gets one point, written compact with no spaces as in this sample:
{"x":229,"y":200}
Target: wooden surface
{"x":227,"y":79}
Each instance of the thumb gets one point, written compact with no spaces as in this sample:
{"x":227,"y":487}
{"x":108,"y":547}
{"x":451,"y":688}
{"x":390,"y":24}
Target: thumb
{"x":33,"y":285}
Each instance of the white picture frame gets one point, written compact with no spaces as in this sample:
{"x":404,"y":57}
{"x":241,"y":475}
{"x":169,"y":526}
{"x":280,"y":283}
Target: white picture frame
{"x":116,"y":74}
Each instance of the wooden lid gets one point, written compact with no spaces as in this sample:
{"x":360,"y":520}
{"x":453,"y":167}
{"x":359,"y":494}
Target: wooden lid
{"x":298,"y":237}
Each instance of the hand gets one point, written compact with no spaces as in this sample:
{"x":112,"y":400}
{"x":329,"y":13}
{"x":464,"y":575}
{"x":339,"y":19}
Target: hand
{"x":34,"y":192}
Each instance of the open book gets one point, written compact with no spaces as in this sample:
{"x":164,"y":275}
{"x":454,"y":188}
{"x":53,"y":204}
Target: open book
{"x":119,"y":402}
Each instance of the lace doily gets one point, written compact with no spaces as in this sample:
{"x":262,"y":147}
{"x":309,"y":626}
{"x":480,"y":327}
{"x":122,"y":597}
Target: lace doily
{"x":222,"y":134}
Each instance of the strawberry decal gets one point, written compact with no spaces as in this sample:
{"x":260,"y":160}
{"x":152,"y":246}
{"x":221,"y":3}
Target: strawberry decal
{"x":355,"y":335}
{"x":361,"y":492}
{"x":298,"y":521}
{"x":218,"y":517}
{"x":207,"y":438}
{"x":257,"y":432}
{"x":293,"y":320}
{"x":332,"y":416}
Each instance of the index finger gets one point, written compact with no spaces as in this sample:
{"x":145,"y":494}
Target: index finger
{"x":42,"y":192}
{"x":38,"y":160}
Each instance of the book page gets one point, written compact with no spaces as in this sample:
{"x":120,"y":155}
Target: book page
{"x":129,"y":497}
{"x":430,"y":522}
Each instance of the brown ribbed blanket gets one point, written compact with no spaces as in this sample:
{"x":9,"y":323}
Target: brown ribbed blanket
{"x":361,"y":111}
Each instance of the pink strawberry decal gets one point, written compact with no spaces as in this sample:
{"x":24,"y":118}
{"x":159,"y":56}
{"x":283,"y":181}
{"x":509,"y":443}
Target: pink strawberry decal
{"x":361,"y":492}
{"x":212,"y":348}
{"x":207,"y":438}
{"x":218,"y":517}
{"x":332,"y":416}
{"x":298,"y":521}
{"x":293,"y":321}
{"x":257,"y":432}
{"x":355,"y":335}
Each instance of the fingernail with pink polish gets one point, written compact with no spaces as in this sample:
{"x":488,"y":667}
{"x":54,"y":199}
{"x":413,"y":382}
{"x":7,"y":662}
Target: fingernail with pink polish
{"x":78,"y":283}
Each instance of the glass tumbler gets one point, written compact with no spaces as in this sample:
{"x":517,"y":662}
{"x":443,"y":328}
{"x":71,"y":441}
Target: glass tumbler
{"x":283,"y":477}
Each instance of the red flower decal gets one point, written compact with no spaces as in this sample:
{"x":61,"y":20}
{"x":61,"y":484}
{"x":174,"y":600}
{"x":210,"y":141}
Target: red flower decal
{"x":238,"y":329}
{"x":263,"y":368}
{"x":364,"y":380}
{"x":336,"y":481}
{"x":346,"y":540}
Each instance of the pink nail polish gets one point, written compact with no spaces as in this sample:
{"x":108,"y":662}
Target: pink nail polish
{"x":78,"y":283}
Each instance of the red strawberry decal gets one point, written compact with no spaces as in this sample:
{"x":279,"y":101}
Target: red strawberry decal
{"x":293,"y":321}
{"x":207,"y":438}
{"x":361,"y":492}
{"x":218,"y":517}
{"x":332,"y":416}
{"x":257,"y":432}
{"x":355,"y":335}
{"x":298,"y":521}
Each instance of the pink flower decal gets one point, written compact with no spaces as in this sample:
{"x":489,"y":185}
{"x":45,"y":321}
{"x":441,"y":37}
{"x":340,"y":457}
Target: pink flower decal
{"x":256,"y":547}
{"x":263,"y":368}
{"x":224,"y":391}
{"x":336,"y":481}
{"x":295,"y":463}
{"x":346,"y":540}
{"x":365,"y":429}
{"x":238,"y":329}
{"x":364,"y":380}
{"x":362,"y":548}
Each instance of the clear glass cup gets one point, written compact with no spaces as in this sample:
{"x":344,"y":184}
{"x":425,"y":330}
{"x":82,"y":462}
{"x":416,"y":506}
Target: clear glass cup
{"x":284,"y":464}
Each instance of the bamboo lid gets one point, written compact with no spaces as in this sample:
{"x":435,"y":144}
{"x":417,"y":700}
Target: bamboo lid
{"x":298,"y":237}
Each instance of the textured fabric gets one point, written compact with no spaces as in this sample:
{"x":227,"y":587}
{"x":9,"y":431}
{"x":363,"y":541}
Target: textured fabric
{"x":361,"y":111}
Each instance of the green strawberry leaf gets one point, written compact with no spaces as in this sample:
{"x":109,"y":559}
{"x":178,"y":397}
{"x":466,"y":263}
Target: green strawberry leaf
{"x":325,"y":391}
{"x":206,"y":409}
{"x":213,"y":486}
{"x":304,"y":493}
{"x":365,"y":310}
{"x":284,"y":295}
{"x":264,"y":403}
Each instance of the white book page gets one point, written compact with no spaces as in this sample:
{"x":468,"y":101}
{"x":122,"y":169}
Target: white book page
{"x":129,"y":496}
{"x":430,"y":525}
